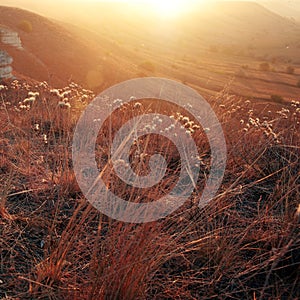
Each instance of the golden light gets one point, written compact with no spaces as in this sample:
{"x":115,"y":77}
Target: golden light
{"x":162,"y":8}
{"x":169,"y":8}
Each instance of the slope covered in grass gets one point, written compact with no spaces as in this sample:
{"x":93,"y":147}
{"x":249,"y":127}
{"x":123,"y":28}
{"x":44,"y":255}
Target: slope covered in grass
{"x":54,"y":245}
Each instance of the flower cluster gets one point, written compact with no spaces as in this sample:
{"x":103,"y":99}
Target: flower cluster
{"x":189,"y":125}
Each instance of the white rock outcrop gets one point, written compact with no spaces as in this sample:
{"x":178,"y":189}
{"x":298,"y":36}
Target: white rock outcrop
{"x":5,"y":68}
{"x":11,"y":38}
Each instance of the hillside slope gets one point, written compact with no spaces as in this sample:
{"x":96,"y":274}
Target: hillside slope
{"x":288,"y":8}
{"x":53,"y":53}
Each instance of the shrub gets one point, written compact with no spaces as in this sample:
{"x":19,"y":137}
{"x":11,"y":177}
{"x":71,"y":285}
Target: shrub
{"x":290,"y":70}
{"x":277,"y":98}
{"x":25,"y":25}
{"x":264,"y":66}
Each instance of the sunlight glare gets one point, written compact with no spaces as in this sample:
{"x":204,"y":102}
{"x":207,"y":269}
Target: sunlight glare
{"x":168,"y":8}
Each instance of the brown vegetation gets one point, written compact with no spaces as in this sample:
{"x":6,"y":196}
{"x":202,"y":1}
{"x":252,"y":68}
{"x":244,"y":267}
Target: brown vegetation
{"x":244,"y":245}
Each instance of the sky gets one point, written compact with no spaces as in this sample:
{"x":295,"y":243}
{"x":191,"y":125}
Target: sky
{"x":172,"y":7}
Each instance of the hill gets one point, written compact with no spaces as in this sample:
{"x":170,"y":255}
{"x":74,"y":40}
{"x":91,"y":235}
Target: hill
{"x":214,"y":46}
{"x":289,"y":9}
{"x":52,"y":52}
{"x":244,"y":244}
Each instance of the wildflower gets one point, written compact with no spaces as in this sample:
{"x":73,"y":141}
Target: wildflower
{"x":84,"y":97}
{"x":43,"y":84}
{"x":265,"y":124}
{"x":275,"y":136}
{"x":29,"y":100}
{"x":24,"y":106}
{"x":137,"y":105}
{"x":148,"y":128}
{"x":45,"y":138}
{"x":55,"y":92}
{"x":2,"y":87}
{"x":33,"y":94}
{"x":66,"y":93}
{"x":252,"y":121}
{"x":118,"y":101}
{"x":63,"y":104}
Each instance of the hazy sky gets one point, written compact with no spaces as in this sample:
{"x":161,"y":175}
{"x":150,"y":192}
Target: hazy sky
{"x":285,"y":7}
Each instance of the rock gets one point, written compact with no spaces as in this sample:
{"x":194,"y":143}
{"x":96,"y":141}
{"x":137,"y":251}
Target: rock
{"x":10,"y":37}
{"x":5,"y":68}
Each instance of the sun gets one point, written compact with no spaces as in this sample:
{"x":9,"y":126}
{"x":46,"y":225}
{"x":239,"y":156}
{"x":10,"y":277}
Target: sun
{"x":169,"y":8}
{"x":163,"y":8}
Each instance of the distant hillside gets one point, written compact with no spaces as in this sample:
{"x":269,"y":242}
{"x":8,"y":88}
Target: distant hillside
{"x":245,"y":23}
{"x":99,"y":44}
{"x":54,"y":53}
{"x":287,"y":8}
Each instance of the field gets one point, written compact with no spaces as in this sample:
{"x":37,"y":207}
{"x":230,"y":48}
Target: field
{"x":244,"y":244}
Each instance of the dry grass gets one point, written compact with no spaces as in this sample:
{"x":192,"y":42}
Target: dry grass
{"x":54,"y":245}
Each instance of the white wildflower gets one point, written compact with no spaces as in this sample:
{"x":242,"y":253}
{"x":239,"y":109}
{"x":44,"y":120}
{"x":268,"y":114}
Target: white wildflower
{"x":29,"y":100}
{"x":45,"y":138}
{"x":137,"y":105}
